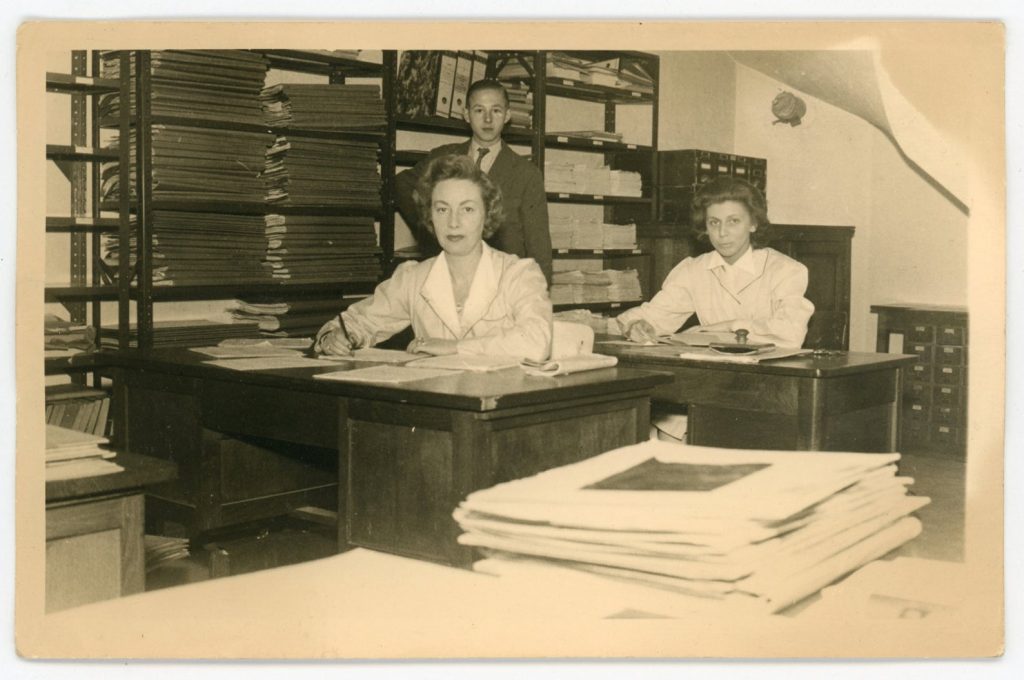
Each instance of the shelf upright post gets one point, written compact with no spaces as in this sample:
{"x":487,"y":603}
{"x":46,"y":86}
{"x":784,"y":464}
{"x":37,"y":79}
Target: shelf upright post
{"x":77,"y":175}
{"x":94,"y":195}
{"x":540,"y":94}
{"x":654,"y":67}
{"x":124,"y":175}
{"x":144,"y":198}
{"x":387,"y":159}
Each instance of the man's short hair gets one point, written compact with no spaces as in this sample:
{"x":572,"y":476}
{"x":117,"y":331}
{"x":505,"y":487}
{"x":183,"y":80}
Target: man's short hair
{"x":486,"y":84}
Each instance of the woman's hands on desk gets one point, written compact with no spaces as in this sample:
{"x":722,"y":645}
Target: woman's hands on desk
{"x":642,"y":332}
{"x":433,"y":346}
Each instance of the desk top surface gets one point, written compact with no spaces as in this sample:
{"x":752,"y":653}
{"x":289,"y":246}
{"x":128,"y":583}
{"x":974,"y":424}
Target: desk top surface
{"x":665,"y":357}
{"x":462,"y":390}
{"x":139,"y":471}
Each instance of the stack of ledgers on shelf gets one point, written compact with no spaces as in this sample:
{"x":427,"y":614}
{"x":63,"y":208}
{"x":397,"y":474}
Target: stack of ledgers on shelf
{"x":599,"y":135}
{"x":62,"y":338}
{"x":566,"y":67}
{"x":600,"y":323}
{"x":197,"y":165}
{"x":608,"y":285}
{"x":291,"y":318}
{"x":71,"y":454}
{"x":184,"y":333}
{"x":198,"y":248}
{"x":160,"y":550}
{"x":709,"y":530}
{"x":571,"y":233}
{"x":311,"y":249}
{"x":322,"y":172}
{"x":357,"y":108}
{"x":213,"y":85}
{"x":583,"y":264}
{"x":579,"y":178}
{"x":520,"y":103}
{"x":77,"y":407}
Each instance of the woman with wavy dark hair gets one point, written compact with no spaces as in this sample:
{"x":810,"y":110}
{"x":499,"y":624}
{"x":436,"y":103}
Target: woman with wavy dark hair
{"x":469,"y":299}
{"x":738,"y":285}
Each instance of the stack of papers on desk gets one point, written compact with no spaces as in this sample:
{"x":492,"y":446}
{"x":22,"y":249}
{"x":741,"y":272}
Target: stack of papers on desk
{"x":71,"y":454}
{"x":567,"y":365}
{"x":477,"y":363}
{"x":750,"y":529}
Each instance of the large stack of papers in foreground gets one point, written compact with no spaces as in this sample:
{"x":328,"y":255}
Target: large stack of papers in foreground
{"x":71,"y":454}
{"x":709,"y":529}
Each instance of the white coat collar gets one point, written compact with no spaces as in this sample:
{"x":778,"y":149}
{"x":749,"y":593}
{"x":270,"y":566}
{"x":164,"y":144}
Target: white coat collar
{"x":437,"y":291}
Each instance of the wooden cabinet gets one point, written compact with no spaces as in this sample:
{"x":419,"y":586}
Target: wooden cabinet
{"x":94,"y":533}
{"x":934,"y":388}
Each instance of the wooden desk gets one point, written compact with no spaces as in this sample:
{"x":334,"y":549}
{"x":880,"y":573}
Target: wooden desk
{"x":847,"y":402}
{"x":94,"y":533}
{"x":253,"y":445}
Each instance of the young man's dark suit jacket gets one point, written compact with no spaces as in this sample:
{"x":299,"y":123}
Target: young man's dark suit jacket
{"x":525,"y":229}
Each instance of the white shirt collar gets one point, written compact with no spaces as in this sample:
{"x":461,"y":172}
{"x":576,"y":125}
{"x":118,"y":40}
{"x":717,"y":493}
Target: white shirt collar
{"x":746,"y":262}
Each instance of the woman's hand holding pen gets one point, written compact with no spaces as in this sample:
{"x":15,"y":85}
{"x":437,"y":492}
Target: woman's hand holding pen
{"x":642,"y":331}
{"x":336,"y":342}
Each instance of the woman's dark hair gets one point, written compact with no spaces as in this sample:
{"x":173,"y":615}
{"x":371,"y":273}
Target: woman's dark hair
{"x":723,"y":189}
{"x":457,"y":166}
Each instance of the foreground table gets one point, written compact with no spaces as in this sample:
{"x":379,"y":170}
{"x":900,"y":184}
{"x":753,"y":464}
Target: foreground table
{"x":839,"y":402}
{"x":395,"y":460}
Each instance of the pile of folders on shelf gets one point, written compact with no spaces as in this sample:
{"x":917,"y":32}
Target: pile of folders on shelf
{"x":225,"y":148}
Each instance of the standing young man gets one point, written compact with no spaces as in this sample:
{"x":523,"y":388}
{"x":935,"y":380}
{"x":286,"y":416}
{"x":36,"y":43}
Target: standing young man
{"x":524,"y":229}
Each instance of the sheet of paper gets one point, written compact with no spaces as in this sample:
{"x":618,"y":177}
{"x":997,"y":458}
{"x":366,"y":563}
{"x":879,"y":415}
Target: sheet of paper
{"x":269,"y":363}
{"x":385,"y":374}
{"x":383,"y":356}
{"x":464,"y":362}
{"x":228,"y":351}
{"x":703,"y":354}
{"x":584,"y":362}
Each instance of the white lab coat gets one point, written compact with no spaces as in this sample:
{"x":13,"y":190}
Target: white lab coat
{"x":507,"y":312}
{"x":766,"y":295}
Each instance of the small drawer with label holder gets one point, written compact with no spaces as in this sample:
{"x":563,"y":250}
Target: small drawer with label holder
{"x":922,"y":333}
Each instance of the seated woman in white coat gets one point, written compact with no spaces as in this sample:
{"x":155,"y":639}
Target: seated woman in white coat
{"x":737,"y":285}
{"x":470,"y":299}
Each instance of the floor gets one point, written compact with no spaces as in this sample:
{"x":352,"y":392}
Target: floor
{"x":943,"y":480}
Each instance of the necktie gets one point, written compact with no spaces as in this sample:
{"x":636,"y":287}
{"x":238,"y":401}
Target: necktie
{"x":480,"y":153}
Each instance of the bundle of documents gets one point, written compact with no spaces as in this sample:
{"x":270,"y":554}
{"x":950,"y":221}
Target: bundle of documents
{"x":213,"y":85}
{"x":324,"y":107}
{"x":307,"y":248}
{"x":598,"y":322}
{"x":292,"y":318}
{"x":564,"y":66}
{"x":571,"y":233}
{"x":199,"y":248}
{"x":322,"y":172}
{"x":709,"y":529}
{"x":77,"y":407}
{"x":633,"y":75}
{"x":619,"y":236}
{"x":161,"y":550}
{"x":580,"y":178}
{"x":197,"y":164}
{"x":520,"y":102}
{"x":71,"y":454}
{"x":183,"y":333}
{"x":63,"y":338}
{"x":617,"y":285}
{"x":601,"y":135}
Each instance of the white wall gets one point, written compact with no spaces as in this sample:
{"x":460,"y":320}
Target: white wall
{"x":835,"y":169}
{"x":696,"y":100}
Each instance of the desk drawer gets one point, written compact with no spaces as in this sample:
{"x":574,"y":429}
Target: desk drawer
{"x":922,"y":333}
{"x":921,"y":350}
{"x":950,"y":335}
{"x":920,"y":372}
{"x":274,"y":413}
{"x":950,"y":355}
{"x":947,"y":395}
{"x":949,"y":375}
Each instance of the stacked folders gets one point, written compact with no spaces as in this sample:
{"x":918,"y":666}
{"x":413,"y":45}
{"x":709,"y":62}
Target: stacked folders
{"x":683,"y":529}
{"x":191,"y":161}
{"x":312,"y":248}
{"x":322,"y":172}
{"x":71,"y":454}
{"x":324,"y":107}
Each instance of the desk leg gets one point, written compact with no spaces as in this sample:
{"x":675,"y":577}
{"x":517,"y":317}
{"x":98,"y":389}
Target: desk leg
{"x":895,"y":432}
{"x":811,"y":419}
{"x":344,"y":496}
